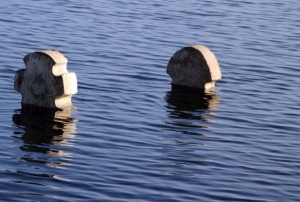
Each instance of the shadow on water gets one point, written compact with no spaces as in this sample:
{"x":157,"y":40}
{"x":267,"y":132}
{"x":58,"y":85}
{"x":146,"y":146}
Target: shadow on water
{"x":44,"y":135}
{"x":190,"y":111}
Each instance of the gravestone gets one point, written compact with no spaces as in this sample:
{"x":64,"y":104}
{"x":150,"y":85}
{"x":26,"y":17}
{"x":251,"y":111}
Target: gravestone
{"x":194,"y":66}
{"x":46,"y":82}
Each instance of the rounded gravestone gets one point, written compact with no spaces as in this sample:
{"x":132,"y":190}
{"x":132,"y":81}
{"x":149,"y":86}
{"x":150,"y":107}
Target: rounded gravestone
{"x":194,"y":66}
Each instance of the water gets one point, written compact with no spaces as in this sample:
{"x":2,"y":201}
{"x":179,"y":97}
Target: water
{"x":135,"y":138}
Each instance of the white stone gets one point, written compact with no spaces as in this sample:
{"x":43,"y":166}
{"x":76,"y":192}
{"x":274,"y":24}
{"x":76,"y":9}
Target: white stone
{"x":46,"y":82}
{"x":194,"y":66}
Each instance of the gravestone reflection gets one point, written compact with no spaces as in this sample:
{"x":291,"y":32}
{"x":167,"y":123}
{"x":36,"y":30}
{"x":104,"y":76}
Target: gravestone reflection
{"x":44,"y":127}
{"x":189,"y":110}
{"x":191,"y":103}
{"x":46,"y":82}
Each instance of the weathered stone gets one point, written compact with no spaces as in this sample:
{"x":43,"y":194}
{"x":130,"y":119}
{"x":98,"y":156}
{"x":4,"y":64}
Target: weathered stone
{"x":46,"y":82}
{"x":194,"y":66}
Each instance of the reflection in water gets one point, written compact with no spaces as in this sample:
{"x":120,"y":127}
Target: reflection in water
{"x":44,"y":134}
{"x":44,"y":126}
{"x":191,"y":104}
{"x":190,"y":111}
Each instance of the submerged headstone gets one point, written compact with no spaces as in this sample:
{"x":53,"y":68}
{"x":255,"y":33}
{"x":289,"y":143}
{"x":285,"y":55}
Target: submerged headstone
{"x":46,"y":82}
{"x":194,"y":66}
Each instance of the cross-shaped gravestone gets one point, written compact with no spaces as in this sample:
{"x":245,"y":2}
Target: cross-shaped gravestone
{"x":46,"y":82}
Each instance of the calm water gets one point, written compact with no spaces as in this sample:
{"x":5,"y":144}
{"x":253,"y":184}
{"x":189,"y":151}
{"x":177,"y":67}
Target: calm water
{"x":135,"y":138}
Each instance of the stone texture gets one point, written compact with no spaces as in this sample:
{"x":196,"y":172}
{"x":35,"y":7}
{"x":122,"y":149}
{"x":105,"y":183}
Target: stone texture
{"x":46,"y":82}
{"x":194,"y":66}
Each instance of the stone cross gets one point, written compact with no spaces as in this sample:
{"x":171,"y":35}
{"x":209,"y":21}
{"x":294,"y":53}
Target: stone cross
{"x":46,"y":82}
{"x":194,"y":66}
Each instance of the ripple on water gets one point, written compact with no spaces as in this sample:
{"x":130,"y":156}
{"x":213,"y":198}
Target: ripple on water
{"x":133,"y":135}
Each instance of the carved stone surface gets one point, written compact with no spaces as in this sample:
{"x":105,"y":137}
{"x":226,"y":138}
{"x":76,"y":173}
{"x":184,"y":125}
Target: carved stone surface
{"x":194,"y":66}
{"x":45,"y":81}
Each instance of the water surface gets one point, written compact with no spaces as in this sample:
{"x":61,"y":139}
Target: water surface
{"x":133,"y":135}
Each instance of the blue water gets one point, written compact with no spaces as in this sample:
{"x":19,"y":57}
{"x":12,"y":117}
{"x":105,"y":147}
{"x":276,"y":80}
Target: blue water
{"x":135,"y":138}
